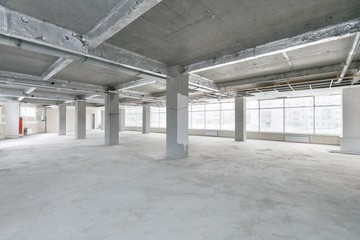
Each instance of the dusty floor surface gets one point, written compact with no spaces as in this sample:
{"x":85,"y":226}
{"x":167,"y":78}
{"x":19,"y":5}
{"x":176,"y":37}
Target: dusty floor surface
{"x":57,"y":188}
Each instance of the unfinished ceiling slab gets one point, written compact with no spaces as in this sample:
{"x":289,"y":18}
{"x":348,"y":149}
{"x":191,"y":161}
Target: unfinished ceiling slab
{"x":86,"y":73}
{"x":317,"y":55}
{"x":79,"y":16}
{"x":22,"y":61}
{"x":183,"y":32}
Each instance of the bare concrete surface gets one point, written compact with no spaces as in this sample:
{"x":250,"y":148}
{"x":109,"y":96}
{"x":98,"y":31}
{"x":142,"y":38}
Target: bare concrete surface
{"x":58,"y":188}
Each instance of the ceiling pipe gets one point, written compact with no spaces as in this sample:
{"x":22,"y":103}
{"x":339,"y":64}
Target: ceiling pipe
{"x":350,"y":57}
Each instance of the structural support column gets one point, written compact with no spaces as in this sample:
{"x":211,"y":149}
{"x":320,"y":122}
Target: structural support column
{"x":146,"y":120}
{"x":350,"y":141}
{"x":121,"y":120}
{"x":80,"y":119}
{"x":112,"y":119}
{"x":12,"y":120}
{"x":177,"y":131}
{"x":240,"y":119}
{"x":62,"y":119}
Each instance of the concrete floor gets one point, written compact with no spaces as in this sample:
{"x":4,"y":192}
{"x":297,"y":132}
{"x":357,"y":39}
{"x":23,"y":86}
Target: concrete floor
{"x":58,"y":188}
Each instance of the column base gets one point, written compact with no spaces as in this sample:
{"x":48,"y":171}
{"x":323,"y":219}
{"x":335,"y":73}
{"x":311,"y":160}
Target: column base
{"x":350,"y":145}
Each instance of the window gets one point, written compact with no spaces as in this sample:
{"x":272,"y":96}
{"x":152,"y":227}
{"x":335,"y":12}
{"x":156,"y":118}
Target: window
{"x":272,"y":115}
{"x":328,"y":120}
{"x":133,"y":116}
{"x":299,"y":115}
{"x":252,"y":120}
{"x":299,"y":120}
{"x":328,"y":115}
{"x":212,"y":116}
{"x":197,"y":116}
{"x":154,"y":117}
{"x":308,"y":115}
{"x":271,"y":120}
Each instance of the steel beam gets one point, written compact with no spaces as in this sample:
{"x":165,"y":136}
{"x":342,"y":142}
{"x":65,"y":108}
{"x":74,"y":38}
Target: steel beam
{"x":322,"y":35}
{"x":123,"y":14}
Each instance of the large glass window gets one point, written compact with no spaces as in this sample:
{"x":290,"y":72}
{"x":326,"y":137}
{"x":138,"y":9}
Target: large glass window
{"x":308,"y":115}
{"x":197,"y":116}
{"x":133,"y":116}
{"x":272,"y":120}
{"x":328,"y":120}
{"x":252,"y":120}
{"x":299,"y":120}
{"x":328,"y":115}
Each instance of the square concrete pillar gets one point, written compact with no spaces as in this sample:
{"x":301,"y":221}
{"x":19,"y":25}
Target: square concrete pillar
{"x":62,"y":119}
{"x":12,"y":119}
{"x":112,"y":119}
{"x":350,"y":141}
{"x":80,"y":119}
{"x":122,"y":120}
{"x":146,"y":120}
{"x":177,"y":130}
{"x":240,"y":119}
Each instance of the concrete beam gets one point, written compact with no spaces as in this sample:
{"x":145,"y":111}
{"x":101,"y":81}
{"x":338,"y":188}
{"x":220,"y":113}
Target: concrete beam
{"x":32,"y":81}
{"x":134,"y":84}
{"x":350,"y":57}
{"x":202,"y":84}
{"x":287,"y":76}
{"x":130,"y":59}
{"x":25,"y":32}
{"x":35,"y":95}
{"x":25,"y":27}
{"x":55,"y":68}
{"x":322,"y":35}
{"x":123,"y":14}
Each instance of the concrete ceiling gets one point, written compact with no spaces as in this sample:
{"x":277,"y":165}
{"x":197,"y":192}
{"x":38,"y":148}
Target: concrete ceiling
{"x":318,"y":55}
{"x":22,"y":61}
{"x":183,"y":32}
{"x":79,"y":16}
{"x":86,"y":73}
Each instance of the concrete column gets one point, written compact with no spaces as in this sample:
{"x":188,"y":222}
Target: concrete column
{"x":12,"y":119}
{"x":62,"y":119}
{"x":80,"y":119}
{"x":240,"y":119}
{"x":350,"y":141}
{"x":146,"y":120}
{"x":121,"y":120}
{"x":102,"y":120}
{"x":177,"y":130}
{"x":112,"y":119}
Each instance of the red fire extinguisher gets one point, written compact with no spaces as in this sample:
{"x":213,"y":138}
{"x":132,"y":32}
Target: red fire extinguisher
{"x":20,"y":125}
